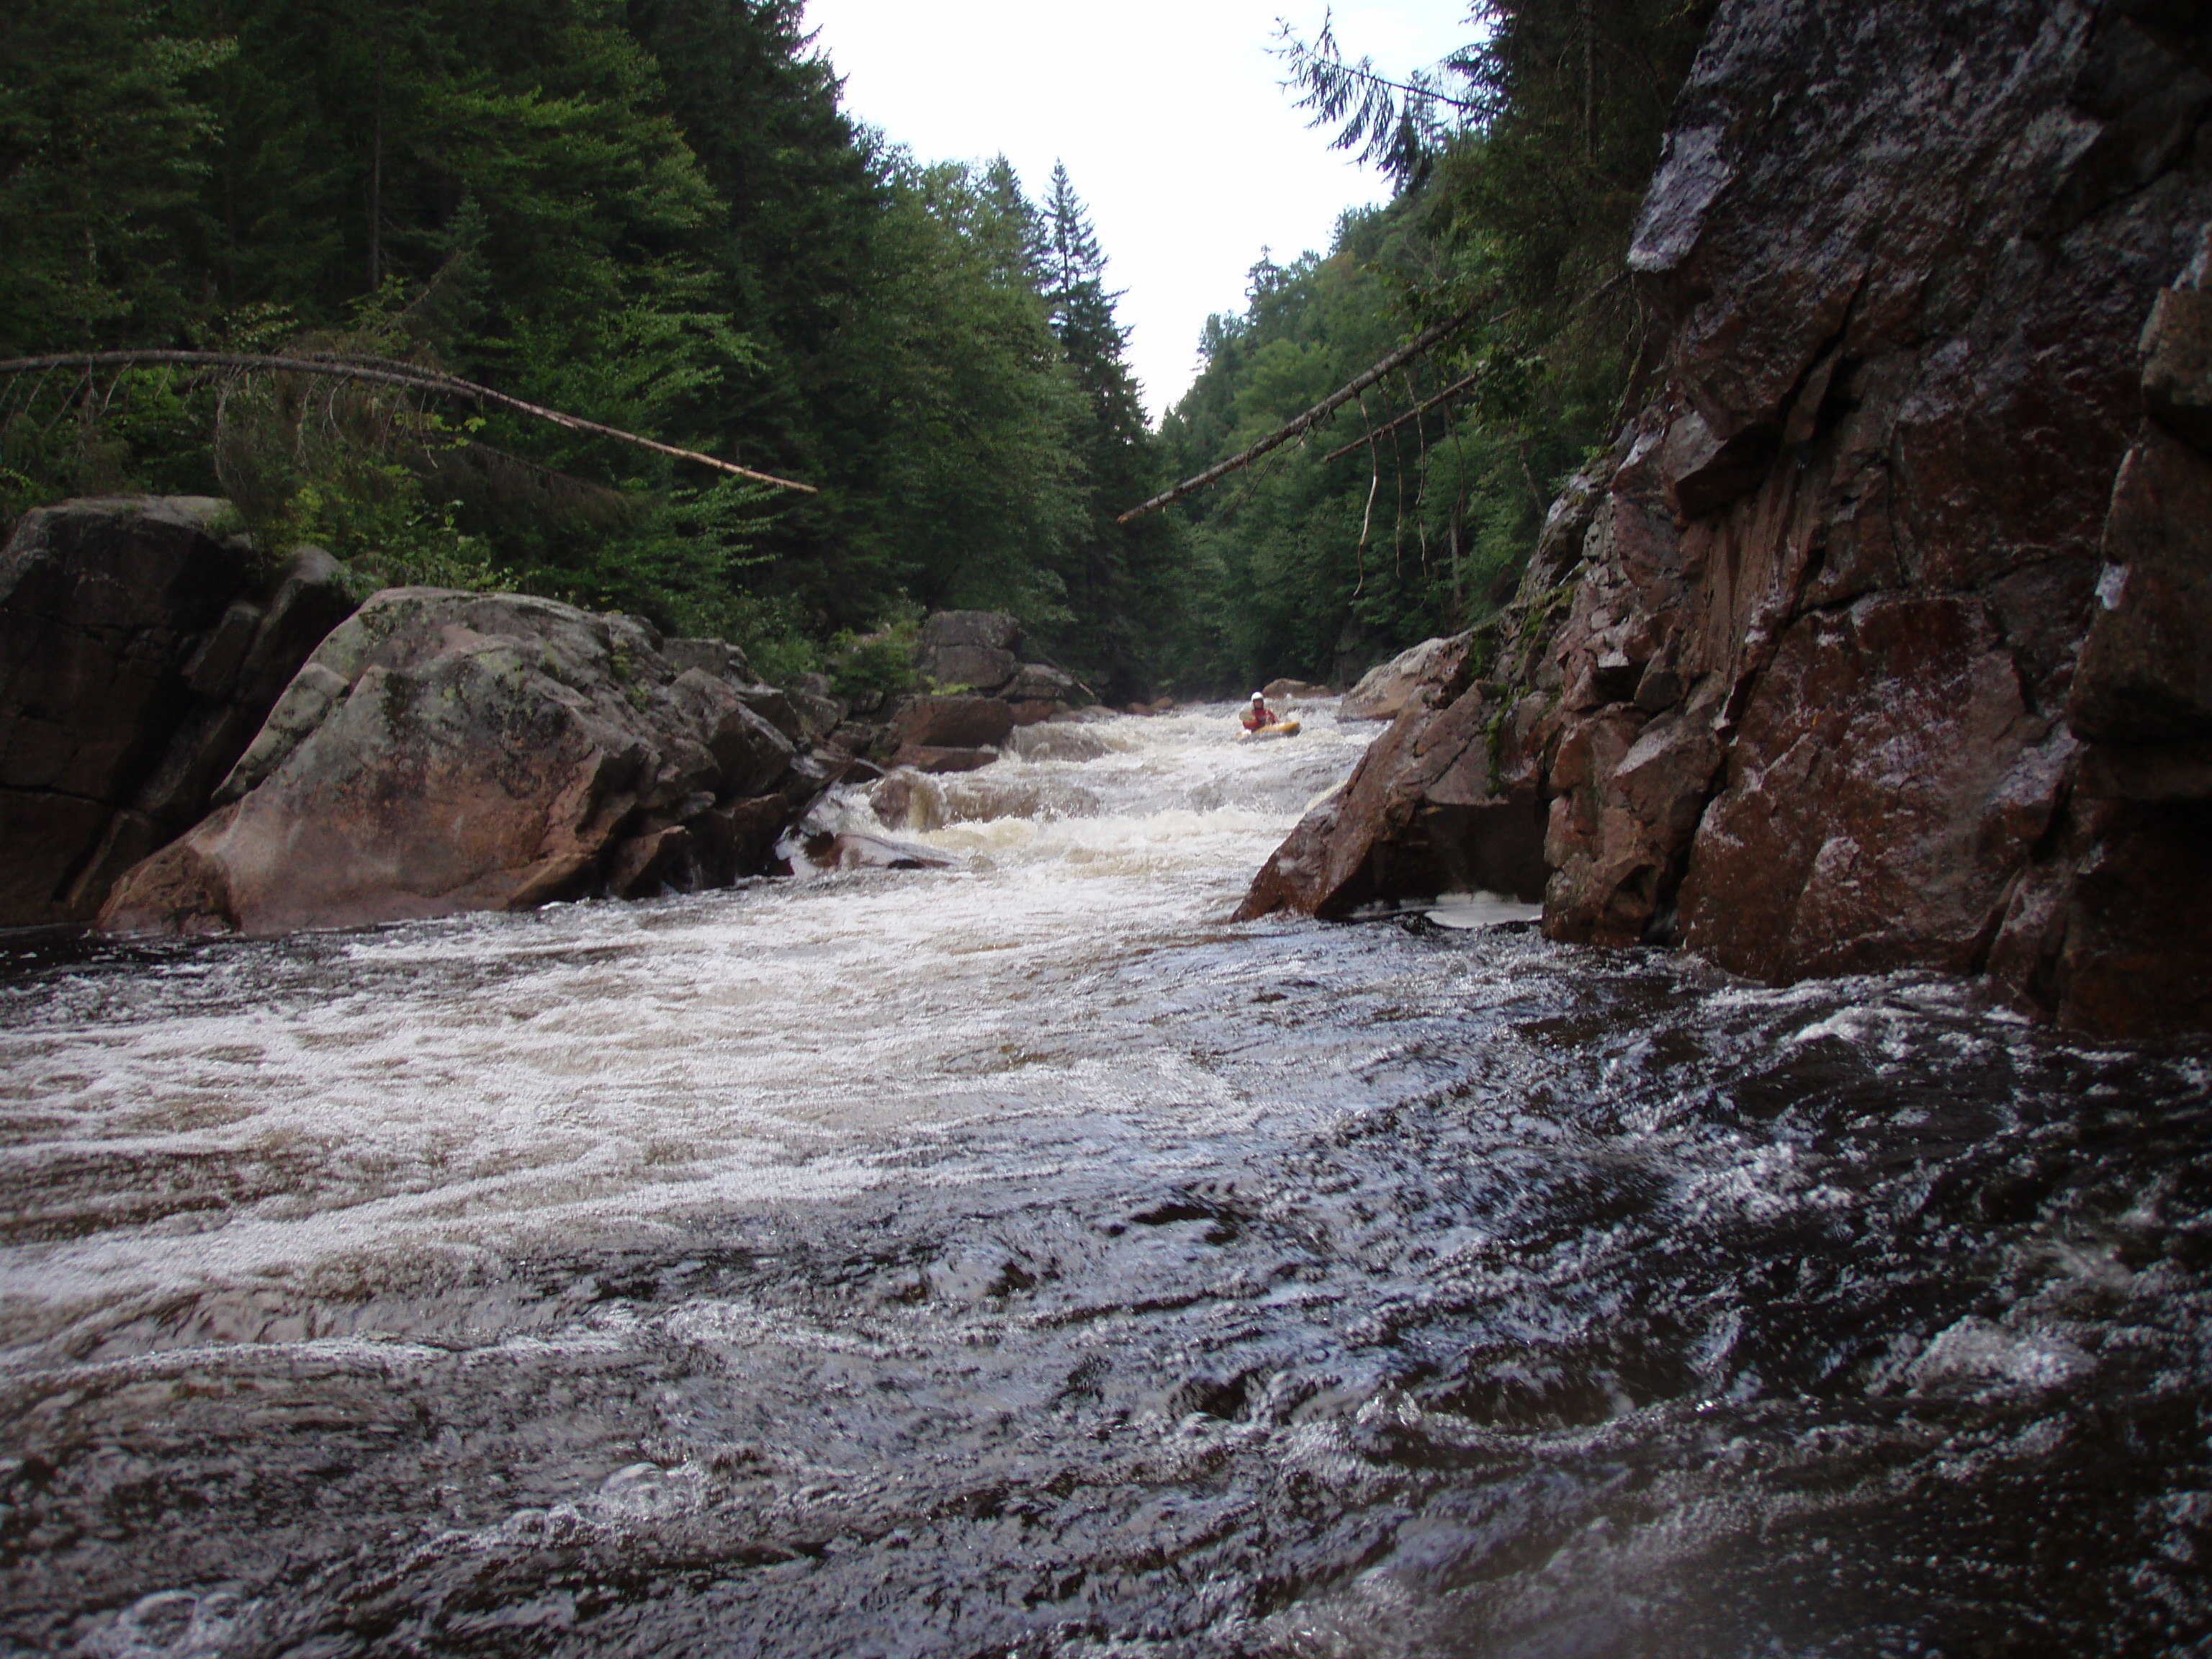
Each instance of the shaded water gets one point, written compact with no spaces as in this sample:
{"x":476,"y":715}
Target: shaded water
{"x":1015,"y":1259}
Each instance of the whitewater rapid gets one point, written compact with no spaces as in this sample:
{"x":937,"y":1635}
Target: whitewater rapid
{"x":1016,"y":1257}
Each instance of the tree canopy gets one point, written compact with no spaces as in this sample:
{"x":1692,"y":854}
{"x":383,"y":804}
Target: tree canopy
{"x":1520,"y":162}
{"x":655,"y":216}
{"x":652,"y":215}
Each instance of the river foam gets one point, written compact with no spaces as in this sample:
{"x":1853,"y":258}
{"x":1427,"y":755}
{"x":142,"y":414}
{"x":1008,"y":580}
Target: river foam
{"x":1016,"y":1257}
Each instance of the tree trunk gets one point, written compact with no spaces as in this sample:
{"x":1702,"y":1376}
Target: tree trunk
{"x":1427,"y":340}
{"x":376,"y":168}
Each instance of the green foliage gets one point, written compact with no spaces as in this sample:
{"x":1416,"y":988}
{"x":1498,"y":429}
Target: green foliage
{"x":972,"y":494}
{"x":655,"y":215}
{"x":864,"y":669}
{"x":650,"y":213}
{"x":771,"y":631}
{"x":1123,"y":582}
{"x":103,"y":150}
{"x":388,"y":538}
{"x":1521,"y":160}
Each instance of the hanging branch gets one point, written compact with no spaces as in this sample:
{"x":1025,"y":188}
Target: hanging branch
{"x":1398,"y":478}
{"x":1427,"y":340}
{"x":413,"y":379}
{"x":1420,"y":465}
{"x":1366,"y":519}
{"x":1456,"y":389}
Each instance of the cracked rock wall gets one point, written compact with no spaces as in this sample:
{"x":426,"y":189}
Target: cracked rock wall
{"x":1883,"y":639}
{"x":141,"y":645}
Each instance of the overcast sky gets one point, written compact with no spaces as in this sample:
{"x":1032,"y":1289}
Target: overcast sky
{"x":1169,"y":113}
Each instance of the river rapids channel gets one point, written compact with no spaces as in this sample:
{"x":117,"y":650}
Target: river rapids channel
{"x":1017,"y":1259}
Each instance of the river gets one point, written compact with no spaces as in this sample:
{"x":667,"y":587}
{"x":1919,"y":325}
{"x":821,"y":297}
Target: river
{"x":1016,"y":1259}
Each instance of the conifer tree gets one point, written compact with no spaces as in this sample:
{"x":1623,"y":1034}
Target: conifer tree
{"x":103,"y":147}
{"x":1118,"y":573}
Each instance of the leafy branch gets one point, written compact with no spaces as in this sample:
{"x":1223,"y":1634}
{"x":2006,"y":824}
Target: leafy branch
{"x":1392,"y":124}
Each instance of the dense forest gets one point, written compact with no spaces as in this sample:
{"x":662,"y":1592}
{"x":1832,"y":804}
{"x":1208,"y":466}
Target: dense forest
{"x":1520,"y":164}
{"x":655,"y":215}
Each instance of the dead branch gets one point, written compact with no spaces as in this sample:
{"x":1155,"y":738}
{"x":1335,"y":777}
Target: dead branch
{"x":409,"y":379}
{"x":1427,"y":340}
{"x":1420,"y":465}
{"x":1367,"y":518}
{"x":1456,"y":389}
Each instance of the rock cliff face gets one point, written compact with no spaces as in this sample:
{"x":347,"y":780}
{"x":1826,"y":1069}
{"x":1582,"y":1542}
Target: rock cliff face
{"x":444,"y":752}
{"x":141,"y":645}
{"x":1885,"y":636}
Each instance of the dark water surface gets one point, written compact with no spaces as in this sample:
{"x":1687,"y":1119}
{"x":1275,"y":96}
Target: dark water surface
{"x":1015,"y":1259}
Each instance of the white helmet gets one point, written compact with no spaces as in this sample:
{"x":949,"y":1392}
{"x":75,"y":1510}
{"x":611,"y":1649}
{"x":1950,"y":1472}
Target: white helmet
{"x":1259,"y":697}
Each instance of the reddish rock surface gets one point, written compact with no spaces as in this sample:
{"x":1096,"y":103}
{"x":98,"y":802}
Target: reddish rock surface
{"x":951,"y":723}
{"x":141,"y":646}
{"x":1436,"y":806}
{"x":1384,"y":692}
{"x":1883,"y":638}
{"x":445,"y":751}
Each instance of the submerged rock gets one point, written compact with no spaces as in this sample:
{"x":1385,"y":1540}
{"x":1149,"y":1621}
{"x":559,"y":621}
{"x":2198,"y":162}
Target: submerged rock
{"x":815,"y":851}
{"x":926,"y":757}
{"x":141,"y":646}
{"x":1879,"y":640}
{"x":445,"y":751}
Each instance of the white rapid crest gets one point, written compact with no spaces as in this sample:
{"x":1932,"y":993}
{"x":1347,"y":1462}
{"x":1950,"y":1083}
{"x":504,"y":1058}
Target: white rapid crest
{"x":363,"y":1104}
{"x":1012,"y":1256}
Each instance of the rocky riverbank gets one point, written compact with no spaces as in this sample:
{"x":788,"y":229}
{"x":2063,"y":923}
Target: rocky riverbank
{"x":195,"y":738}
{"x":955,"y":696}
{"x":142,"y":644}
{"x":1880,"y":639}
{"x":444,"y":752}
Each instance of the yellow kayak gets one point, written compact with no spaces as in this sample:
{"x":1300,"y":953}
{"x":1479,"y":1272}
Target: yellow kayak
{"x":1279,"y":729}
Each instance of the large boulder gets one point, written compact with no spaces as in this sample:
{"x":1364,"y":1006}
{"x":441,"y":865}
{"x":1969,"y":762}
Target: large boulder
{"x":1879,"y":640}
{"x":951,"y":723}
{"x":989,"y":631}
{"x":973,"y":648}
{"x":1384,"y":692}
{"x":445,"y":751}
{"x":1037,"y":692}
{"x":142,"y":643}
{"x":1435,"y":805}
{"x":973,"y":667}
{"x":1037,"y":681}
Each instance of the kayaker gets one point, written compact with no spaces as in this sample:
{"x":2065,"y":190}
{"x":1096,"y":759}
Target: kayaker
{"x":1259,"y":714}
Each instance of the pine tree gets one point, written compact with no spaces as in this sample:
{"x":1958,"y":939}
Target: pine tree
{"x":103,"y":141}
{"x":1119,"y":582}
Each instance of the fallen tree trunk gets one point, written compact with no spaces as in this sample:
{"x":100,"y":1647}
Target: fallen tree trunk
{"x":1419,"y":410}
{"x":1427,"y":341}
{"x":383,"y":374}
